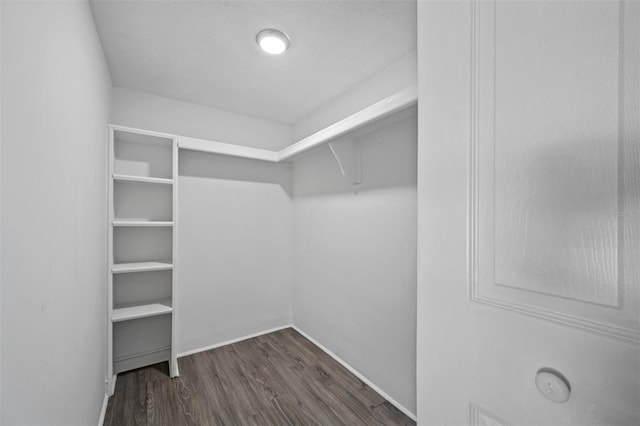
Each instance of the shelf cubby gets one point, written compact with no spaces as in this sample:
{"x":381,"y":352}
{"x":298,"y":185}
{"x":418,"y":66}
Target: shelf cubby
{"x":142,"y":155}
{"x":141,"y":341}
{"x":142,"y":244}
{"x":140,"y":202}
{"x":141,"y":287}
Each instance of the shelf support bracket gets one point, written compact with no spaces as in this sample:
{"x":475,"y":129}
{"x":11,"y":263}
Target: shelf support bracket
{"x":348,"y":155}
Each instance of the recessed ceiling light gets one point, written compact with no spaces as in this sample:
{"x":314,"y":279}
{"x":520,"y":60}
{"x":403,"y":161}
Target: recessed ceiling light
{"x":272,"y":41}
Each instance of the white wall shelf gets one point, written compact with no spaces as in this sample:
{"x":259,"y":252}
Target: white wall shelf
{"x":158,"y":307}
{"x":138,"y":223}
{"x":221,"y":148}
{"x":142,"y":179}
{"x":122,"y":268}
{"x":387,"y":106}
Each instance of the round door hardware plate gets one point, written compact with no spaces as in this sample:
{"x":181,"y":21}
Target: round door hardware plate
{"x":553,"y":385}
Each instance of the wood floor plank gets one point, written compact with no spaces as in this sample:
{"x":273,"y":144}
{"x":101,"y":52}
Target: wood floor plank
{"x":272,"y":415}
{"x":334,"y":369}
{"x":255,"y":364}
{"x":304,"y":390}
{"x":332,"y":373}
{"x":276,"y":379}
{"x":127,"y":406}
{"x":311,"y":386}
{"x":217,"y":393}
{"x":197,"y":395}
{"x":391,"y":415}
{"x":260,"y":361}
{"x":235,"y":384}
{"x":158,"y":412}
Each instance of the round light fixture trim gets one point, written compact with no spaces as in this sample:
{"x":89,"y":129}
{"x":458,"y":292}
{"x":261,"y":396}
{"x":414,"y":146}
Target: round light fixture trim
{"x":273,"y":41}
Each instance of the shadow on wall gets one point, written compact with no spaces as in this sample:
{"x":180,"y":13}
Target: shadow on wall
{"x":388,"y":158}
{"x":222,"y":167}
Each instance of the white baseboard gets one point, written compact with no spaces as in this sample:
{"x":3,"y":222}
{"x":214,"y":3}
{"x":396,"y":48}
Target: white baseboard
{"x":111,"y":386}
{"x":358,"y":374}
{"x":229,"y":342}
{"x":103,"y":410}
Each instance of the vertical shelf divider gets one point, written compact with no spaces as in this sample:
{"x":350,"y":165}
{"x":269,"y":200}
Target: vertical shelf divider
{"x":110,"y":380}
{"x":173,"y":362}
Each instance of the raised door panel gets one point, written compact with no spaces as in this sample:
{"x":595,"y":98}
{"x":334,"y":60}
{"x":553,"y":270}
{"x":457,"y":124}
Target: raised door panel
{"x":554,"y":218}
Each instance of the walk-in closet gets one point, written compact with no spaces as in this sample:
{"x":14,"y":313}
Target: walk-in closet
{"x":313,"y":212}
{"x":214,"y":244}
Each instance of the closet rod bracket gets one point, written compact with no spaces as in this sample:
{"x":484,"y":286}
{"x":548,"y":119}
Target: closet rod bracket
{"x":350,"y":164}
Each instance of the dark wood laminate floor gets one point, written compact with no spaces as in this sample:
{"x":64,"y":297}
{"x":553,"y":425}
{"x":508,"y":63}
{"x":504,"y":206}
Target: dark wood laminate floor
{"x":279,"y":378}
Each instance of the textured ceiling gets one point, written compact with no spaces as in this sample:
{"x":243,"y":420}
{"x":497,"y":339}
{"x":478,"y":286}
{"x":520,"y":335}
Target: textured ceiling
{"x":204,"y":52}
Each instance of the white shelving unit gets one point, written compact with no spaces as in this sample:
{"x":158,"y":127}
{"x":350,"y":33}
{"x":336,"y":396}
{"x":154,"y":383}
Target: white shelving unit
{"x":142,"y":250}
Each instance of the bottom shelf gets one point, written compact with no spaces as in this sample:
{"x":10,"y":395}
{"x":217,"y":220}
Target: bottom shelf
{"x":149,"y":309}
{"x":141,"y":342}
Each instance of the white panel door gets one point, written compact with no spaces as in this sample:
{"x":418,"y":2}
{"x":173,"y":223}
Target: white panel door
{"x":529,"y":211}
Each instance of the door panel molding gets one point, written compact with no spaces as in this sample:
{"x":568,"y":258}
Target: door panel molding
{"x":479,"y":416}
{"x":581,"y":197}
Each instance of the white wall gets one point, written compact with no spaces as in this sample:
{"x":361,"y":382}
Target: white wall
{"x":234,"y":272}
{"x":146,"y":111}
{"x":55,"y":104}
{"x":355,"y":255}
{"x":389,"y":80}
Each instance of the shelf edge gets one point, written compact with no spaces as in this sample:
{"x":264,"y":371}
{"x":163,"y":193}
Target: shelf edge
{"x":120,"y":268}
{"x":144,"y":310}
{"x":134,"y":223}
{"x":141,"y":179}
